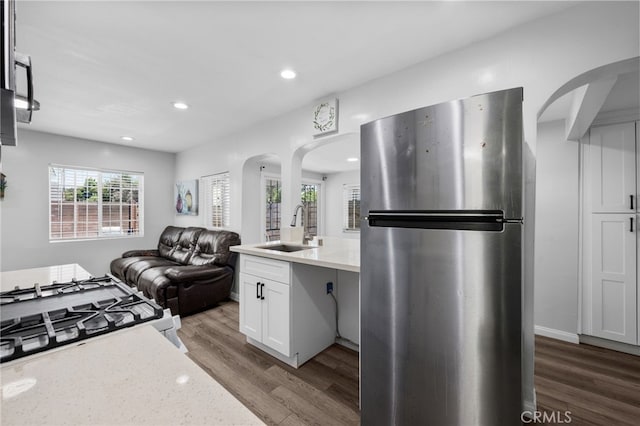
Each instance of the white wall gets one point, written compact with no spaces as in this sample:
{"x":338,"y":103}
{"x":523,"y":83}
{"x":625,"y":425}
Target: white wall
{"x":24,"y":220}
{"x":334,"y":199}
{"x":557,"y":209}
{"x":540,"y":57}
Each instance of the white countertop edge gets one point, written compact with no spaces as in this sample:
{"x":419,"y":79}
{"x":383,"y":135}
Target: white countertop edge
{"x":325,"y":255}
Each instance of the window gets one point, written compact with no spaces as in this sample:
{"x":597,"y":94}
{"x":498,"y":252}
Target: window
{"x":273,"y":195}
{"x":89,"y":203}
{"x":218,"y":202}
{"x":309,"y":198}
{"x":351,"y":208}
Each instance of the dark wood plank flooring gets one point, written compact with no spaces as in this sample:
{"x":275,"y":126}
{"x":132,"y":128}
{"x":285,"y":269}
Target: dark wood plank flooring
{"x":598,"y":386}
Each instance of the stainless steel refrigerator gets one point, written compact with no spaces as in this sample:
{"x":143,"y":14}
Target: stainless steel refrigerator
{"x":441,"y":266}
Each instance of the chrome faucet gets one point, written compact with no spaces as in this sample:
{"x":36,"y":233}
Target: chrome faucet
{"x":295,"y":215}
{"x":303,"y":221}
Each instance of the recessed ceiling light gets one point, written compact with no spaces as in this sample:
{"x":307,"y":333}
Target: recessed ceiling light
{"x":352,"y":159}
{"x":180,"y":105}
{"x":126,"y":138}
{"x":288,"y":74}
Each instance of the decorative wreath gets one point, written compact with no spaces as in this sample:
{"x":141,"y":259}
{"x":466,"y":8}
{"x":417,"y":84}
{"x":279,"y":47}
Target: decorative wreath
{"x":329,"y":123}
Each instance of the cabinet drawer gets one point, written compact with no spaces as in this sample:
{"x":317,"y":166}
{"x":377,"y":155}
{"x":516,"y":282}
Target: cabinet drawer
{"x":275,"y":270}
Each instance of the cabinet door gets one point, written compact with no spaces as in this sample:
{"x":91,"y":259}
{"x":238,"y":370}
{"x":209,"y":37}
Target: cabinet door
{"x":275,"y":316}
{"x":250,"y":306}
{"x":612,"y":168}
{"x":614,"y":259}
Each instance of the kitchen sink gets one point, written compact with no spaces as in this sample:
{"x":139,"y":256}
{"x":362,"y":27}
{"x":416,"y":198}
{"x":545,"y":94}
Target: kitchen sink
{"x":289,"y":248}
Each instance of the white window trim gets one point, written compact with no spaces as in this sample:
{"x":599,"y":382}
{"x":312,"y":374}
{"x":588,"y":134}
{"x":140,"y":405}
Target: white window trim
{"x":348,"y":187}
{"x":263,"y":207}
{"x":205,"y":183}
{"x":140,"y":233}
{"x":321,"y":202}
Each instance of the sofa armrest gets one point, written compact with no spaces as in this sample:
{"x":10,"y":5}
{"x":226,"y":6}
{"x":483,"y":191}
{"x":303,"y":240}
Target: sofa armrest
{"x":149,"y":252}
{"x":187,"y":273}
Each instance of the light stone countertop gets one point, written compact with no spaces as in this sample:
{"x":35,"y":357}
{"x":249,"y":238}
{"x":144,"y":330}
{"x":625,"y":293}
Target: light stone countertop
{"x":133,"y":377}
{"x":25,"y":278}
{"x":335,"y":253}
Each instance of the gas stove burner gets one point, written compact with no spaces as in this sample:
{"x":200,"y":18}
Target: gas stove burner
{"x":56,"y":288}
{"x":41,"y":318}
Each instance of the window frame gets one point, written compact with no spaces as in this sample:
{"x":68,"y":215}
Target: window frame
{"x":320,"y":211}
{"x":101,"y":235}
{"x":206,"y":183}
{"x":264,"y":176}
{"x":304,"y":181}
{"x":347,"y":191}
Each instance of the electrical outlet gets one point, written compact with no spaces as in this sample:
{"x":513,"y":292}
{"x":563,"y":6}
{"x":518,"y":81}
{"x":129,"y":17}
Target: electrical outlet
{"x":329,"y":287}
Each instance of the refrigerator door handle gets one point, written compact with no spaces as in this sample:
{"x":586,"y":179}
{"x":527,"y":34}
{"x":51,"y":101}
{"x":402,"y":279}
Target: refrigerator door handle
{"x":470,"y":220}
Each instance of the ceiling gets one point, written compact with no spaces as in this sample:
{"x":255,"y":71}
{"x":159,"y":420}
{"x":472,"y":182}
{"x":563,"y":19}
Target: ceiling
{"x":334,"y":157}
{"x":103,"y":70}
{"x":624,"y":95}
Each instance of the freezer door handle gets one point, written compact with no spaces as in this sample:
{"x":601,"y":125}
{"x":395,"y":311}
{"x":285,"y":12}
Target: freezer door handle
{"x":469,"y":220}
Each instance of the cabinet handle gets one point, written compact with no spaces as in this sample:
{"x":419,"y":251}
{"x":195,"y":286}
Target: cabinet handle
{"x":258,"y":290}
{"x":631,"y":199}
{"x":261,"y":290}
{"x":631,"y":224}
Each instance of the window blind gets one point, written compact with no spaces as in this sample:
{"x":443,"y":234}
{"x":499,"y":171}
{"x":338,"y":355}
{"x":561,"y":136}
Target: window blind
{"x":351,"y":208}
{"x":218,"y":200}
{"x":88,"y":203}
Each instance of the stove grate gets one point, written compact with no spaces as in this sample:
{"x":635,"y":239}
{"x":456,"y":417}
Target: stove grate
{"x":26,"y":329}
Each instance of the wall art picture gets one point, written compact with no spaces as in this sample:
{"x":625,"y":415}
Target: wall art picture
{"x":186,"y":197}
{"x":325,"y":117}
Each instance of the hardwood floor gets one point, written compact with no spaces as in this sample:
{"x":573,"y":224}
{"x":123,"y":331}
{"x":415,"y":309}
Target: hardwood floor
{"x":324,"y":391}
{"x":598,"y":386}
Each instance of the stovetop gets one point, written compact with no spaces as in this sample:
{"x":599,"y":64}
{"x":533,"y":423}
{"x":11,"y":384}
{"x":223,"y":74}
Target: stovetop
{"x":40,"y":318}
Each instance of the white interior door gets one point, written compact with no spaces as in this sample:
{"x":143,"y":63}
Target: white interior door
{"x":614,"y":290}
{"x":275,"y":316}
{"x":613,"y":168}
{"x":250,"y":306}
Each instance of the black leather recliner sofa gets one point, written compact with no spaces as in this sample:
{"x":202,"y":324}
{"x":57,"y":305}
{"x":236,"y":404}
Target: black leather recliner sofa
{"x":191,"y":270}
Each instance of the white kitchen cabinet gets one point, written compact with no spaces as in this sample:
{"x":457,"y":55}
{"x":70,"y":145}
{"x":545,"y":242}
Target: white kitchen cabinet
{"x":611,"y":301}
{"x":614,"y":280}
{"x":285,"y":309}
{"x":265,"y":311}
{"x":250,"y":306}
{"x":612,"y":168}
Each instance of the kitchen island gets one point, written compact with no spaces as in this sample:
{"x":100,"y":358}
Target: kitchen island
{"x":289,"y":293}
{"x":336,"y":253}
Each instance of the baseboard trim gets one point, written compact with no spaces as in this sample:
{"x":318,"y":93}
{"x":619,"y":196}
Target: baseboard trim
{"x":557,"y":334}
{"x":610,"y":344}
{"x":235,"y":297}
